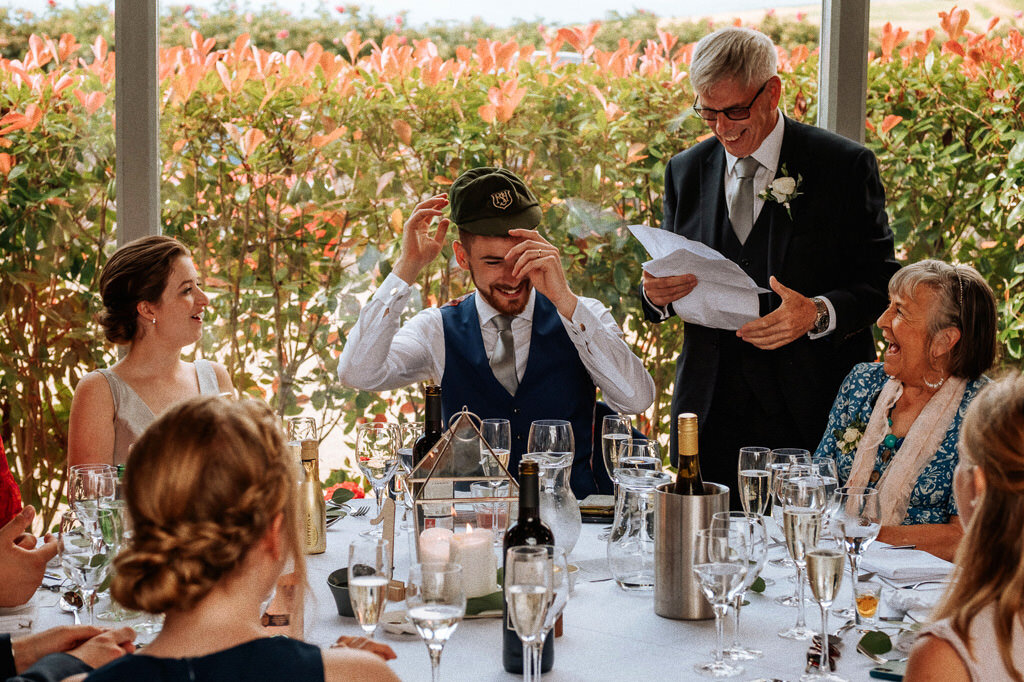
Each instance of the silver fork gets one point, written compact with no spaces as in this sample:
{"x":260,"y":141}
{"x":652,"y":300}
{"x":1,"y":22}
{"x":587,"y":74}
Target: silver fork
{"x":362,"y":511}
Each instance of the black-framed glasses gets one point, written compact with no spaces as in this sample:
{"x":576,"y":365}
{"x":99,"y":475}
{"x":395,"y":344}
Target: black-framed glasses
{"x":732,"y":113}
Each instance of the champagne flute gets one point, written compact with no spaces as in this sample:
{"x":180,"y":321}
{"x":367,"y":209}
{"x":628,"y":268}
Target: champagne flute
{"x":90,"y":485}
{"x":497,"y":433}
{"x":858,"y":518}
{"x":85,"y":558}
{"x":615,"y":428}
{"x":435,"y":603}
{"x":408,"y":434}
{"x":754,"y":479}
{"x":551,"y":436}
{"x":753,"y":527}
{"x":528,"y":591}
{"x":369,"y":572}
{"x":720,"y":566}
{"x":377,"y":454}
{"x":826,"y":468}
{"x":793,"y":471}
{"x":803,"y":500}
{"x":825,"y":572}
{"x":779,"y":461}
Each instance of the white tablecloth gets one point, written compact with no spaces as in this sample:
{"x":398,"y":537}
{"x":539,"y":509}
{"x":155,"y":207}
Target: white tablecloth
{"x":609,"y":634}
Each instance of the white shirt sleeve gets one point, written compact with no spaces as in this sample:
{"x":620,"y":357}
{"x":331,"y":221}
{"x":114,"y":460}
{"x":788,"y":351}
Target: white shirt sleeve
{"x":624,"y":382}
{"x":380,"y":354}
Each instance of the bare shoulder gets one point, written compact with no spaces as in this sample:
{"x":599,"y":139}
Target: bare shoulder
{"x":349,"y":664}
{"x":91,"y":423}
{"x":935,"y":659}
{"x":223,"y":378}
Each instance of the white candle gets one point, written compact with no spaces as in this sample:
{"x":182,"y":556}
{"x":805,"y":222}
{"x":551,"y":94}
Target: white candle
{"x":435,"y":545}
{"x":473,"y":550}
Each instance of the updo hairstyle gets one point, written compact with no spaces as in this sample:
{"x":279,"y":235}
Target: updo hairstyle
{"x":202,"y":485}
{"x":136,"y":272}
{"x":990,"y":559}
{"x":964,"y":300}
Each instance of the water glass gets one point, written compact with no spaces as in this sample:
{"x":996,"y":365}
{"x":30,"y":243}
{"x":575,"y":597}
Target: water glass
{"x":435,"y":605}
{"x":493,"y":516}
{"x":551,"y":436}
{"x":751,"y":525}
{"x":89,"y":485}
{"x":858,"y":520}
{"x":85,"y":558}
{"x":721,"y":569}
{"x":301,"y":428}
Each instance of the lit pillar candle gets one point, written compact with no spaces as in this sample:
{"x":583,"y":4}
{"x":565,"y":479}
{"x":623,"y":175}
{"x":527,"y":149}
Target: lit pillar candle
{"x":435,"y":545}
{"x":474,"y":551}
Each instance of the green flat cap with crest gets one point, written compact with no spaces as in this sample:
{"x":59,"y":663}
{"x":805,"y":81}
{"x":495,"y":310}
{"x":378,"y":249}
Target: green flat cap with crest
{"x":491,"y":201}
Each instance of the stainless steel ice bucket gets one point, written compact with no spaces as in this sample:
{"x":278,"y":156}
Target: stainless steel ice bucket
{"x":677,"y":518}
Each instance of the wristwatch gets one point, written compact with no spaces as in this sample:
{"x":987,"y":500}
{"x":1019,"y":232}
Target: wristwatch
{"x":821,"y":320}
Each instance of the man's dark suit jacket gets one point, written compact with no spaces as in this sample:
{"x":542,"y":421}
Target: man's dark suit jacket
{"x":837,"y":244}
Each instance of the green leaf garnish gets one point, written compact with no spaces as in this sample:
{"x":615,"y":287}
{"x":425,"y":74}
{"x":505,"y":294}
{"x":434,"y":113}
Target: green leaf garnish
{"x":758,"y":585}
{"x":342,"y":495}
{"x":875,"y":642}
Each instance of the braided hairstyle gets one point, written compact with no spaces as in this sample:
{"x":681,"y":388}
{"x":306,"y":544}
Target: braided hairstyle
{"x":203,"y":484}
{"x":137,"y":272}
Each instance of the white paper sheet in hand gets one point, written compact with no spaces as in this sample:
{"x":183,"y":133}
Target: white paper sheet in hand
{"x":725,"y":296}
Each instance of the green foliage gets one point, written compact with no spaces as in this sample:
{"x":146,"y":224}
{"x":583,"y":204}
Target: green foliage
{"x":290,"y":174}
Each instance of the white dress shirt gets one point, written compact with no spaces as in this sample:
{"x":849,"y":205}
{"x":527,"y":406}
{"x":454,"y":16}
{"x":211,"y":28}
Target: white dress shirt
{"x":768,"y":156}
{"x":380,"y":354}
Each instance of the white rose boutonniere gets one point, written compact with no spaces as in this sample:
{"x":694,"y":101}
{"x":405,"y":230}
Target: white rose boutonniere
{"x":783,"y":190}
{"x":849,"y":438}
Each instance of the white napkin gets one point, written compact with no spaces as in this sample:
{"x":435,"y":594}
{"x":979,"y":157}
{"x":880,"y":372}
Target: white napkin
{"x":17,"y":619}
{"x":904,"y":564}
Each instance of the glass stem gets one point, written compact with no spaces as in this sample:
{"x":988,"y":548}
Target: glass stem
{"x":800,"y":620}
{"x":435,"y":663}
{"x":719,"y":610}
{"x":854,"y":574}
{"x":823,"y":664}
{"x":736,"y":630}
{"x":90,"y":605}
{"x":528,"y":673}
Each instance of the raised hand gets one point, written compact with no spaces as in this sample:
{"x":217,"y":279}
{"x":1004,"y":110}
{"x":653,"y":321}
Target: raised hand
{"x":791,"y":320}
{"x":419,"y":246}
{"x":539,"y":260}
{"x":24,"y":563}
{"x":663,"y":290}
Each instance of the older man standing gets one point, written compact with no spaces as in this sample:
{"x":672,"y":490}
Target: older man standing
{"x":523,"y":346}
{"x":821,"y":243}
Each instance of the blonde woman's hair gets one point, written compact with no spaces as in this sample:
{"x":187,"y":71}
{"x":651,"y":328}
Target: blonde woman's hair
{"x":990,"y":560}
{"x":203,"y":484}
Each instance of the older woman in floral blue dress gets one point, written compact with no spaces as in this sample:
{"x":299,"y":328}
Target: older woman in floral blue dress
{"x":895,"y":425}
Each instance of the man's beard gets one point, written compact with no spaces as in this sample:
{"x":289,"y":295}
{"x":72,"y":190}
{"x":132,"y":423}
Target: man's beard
{"x":501,"y":305}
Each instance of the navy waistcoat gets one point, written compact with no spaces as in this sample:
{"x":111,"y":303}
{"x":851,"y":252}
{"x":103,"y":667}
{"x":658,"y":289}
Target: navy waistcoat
{"x":556,"y":385}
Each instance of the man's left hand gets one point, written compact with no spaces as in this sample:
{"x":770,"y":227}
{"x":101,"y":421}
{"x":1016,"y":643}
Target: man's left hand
{"x":538,"y":259}
{"x":791,"y":320}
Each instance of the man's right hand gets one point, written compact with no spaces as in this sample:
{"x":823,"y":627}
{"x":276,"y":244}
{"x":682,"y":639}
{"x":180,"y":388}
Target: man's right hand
{"x":663,"y":290}
{"x":419,"y":246}
{"x":24,"y":562}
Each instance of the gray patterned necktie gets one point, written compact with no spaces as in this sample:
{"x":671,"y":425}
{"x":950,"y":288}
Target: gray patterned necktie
{"x":741,"y":212}
{"x":503,"y":362}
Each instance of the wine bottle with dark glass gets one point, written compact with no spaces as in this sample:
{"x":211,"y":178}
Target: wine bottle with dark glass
{"x":528,"y":530}
{"x":429,"y":516}
{"x":688,"y":480}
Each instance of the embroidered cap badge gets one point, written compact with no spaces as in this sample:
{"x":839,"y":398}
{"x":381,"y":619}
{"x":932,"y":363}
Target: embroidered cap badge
{"x":502,"y":199}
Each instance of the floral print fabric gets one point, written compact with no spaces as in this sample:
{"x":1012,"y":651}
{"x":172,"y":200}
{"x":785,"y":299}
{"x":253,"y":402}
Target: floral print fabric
{"x":931,"y":501}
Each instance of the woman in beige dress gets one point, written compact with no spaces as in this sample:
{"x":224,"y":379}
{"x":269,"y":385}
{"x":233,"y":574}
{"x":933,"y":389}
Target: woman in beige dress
{"x":978,"y":633}
{"x":152,"y":303}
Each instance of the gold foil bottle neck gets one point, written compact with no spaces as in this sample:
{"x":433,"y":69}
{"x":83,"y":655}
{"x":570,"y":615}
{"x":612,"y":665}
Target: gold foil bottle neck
{"x":310,"y":449}
{"x":687,"y":427}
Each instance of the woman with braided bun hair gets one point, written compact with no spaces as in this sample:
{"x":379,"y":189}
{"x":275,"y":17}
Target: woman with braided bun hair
{"x":212,"y":496}
{"x":978,"y":628}
{"x":154,"y":305}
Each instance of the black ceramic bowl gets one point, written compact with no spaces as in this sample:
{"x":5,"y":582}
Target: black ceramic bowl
{"x":338,"y":582}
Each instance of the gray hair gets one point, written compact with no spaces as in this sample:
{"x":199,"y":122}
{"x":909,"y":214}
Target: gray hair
{"x":741,"y":53}
{"x":963,"y":301}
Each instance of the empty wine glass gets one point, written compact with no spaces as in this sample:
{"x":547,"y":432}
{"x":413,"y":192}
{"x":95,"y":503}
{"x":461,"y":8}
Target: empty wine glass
{"x":369,"y":572}
{"x":803,"y":499}
{"x":85,"y":558}
{"x":435,"y":604}
{"x":615,"y":428}
{"x":825,"y":572}
{"x":377,"y":454}
{"x":858,"y":518}
{"x":408,"y":434}
{"x":756,"y":547}
{"x":528,"y":593}
{"x":720,"y":564}
{"x":551,"y":436}
{"x":301,"y":428}
{"x":89,"y":485}
{"x":754,"y":479}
